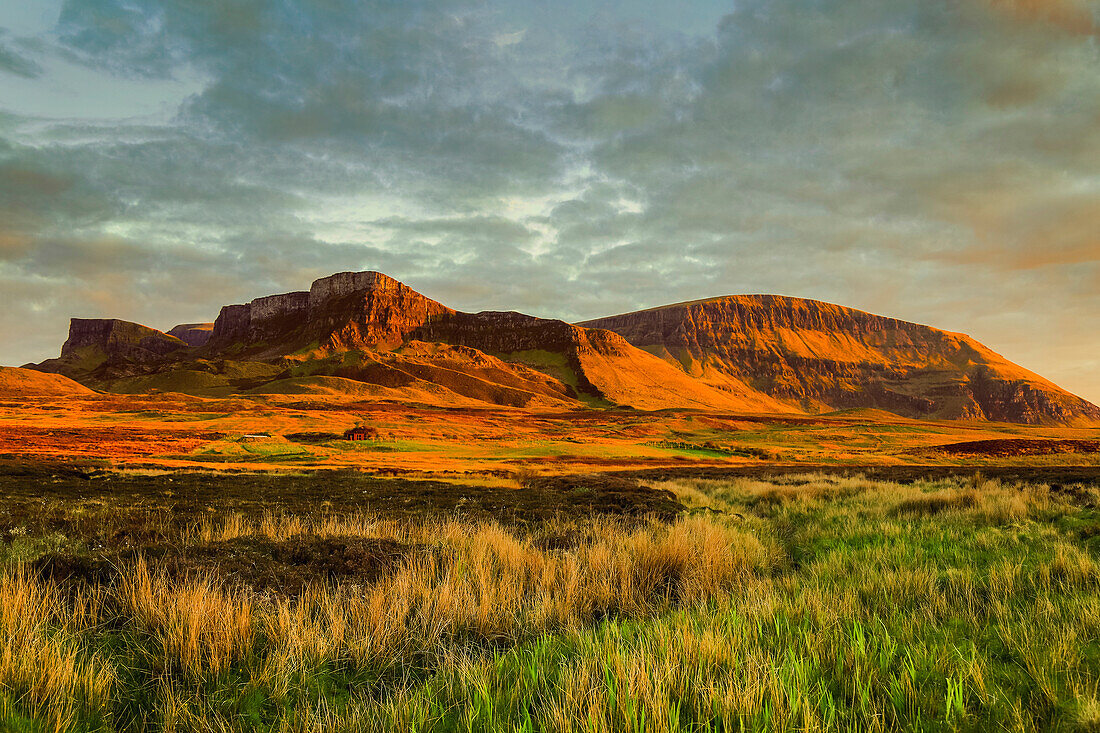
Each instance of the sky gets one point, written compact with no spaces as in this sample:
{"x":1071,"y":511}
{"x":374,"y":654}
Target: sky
{"x":935,"y":161}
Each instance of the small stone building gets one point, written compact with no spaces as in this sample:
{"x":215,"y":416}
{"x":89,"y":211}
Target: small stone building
{"x":361,"y":433}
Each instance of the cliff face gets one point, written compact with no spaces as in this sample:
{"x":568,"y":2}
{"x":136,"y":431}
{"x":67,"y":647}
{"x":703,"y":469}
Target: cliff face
{"x":232,"y":325}
{"x":508,"y":331}
{"x":192,"y":334}
{"x":263,"y":318}
{"x":370,"y":312}
{"x":345,"y":310}
{"x":100,"y":346}
{"x":384,"y":315}
{"x":354,"y":310}
{"x":120,"y":338}
{"x":346,"y":283}
{"x":739,"y":353}
{"x":822,"y":356}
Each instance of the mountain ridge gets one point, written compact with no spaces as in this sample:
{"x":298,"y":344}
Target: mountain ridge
{"x":752,"y":353}
{"x":820,"y":354}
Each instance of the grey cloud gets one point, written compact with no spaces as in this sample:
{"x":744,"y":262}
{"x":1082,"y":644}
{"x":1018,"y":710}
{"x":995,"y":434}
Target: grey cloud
{"x":487,"y":228}
{"x":14,"y":62}
{"x":415,"y":94}
{"x":931,"y":161}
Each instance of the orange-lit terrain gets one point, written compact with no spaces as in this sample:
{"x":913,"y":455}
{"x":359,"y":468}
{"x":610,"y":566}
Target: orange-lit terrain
{"x":284,"y":433}
{"x":739,"y":381}
{"x":548,"y":367}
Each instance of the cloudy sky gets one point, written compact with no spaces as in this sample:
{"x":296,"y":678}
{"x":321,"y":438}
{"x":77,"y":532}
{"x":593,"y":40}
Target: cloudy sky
{"x":932,"y":160}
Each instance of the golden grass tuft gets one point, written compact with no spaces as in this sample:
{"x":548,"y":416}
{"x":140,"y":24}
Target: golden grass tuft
{"x":197,"y":624}
{"x":1086,"y":717}
{"x":41,"y":662}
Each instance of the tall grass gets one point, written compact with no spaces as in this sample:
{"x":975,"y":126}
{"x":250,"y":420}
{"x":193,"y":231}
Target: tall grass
{"x":805,"y":603}
{"x":45,"y":673}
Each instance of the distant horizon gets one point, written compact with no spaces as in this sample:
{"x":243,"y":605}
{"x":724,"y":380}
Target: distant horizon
{"x":933,"y":163}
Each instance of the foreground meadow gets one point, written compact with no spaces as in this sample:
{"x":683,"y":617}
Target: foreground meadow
{"x":805,"y":602}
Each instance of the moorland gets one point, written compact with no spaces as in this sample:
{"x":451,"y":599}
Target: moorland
{"x":741,"y":513}
{"x":796,"y":602}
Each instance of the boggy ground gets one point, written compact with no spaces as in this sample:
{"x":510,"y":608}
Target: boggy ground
{"x":789,"y":602}
{"x":33,"y":491}
{"x":99,"y":520}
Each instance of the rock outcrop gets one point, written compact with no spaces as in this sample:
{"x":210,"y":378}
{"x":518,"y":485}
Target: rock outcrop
{"x":118,"y":338}
{"x":340,"y":311}
{"x":370,"y":311}
{"x":346,"y":283}
{"x":192,"y":334}
{"x":261,"y":319}
{"x":232,"y":325}
{"x":823,"y":356}
{"x":100,"y":346}
{"x":383,"y":314}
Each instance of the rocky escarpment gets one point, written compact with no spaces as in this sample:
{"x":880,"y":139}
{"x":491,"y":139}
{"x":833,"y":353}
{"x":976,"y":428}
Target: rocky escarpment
{"x":340,"y":311}
{"x":346,"y":283}
{"x":509,"y":332}
{"x":383,"y":315}
{"x":97,"y":346}
{"x":192,"y":334}
{"x":118,"y":338}
{"x":372,"y":312}
{"x":502,"y":357}
{"x":263,"y":318}
{"x":761,"y":354}
{"x":822,"y":356}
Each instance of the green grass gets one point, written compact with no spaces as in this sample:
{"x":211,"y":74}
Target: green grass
{"x":939,"y":606}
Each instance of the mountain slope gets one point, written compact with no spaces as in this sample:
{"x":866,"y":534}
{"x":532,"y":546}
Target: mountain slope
{"x":750,"y":354}
{"x":822,"y":356}
{"x":370,"y":328}
{"x":379,"y":318}
{"x":603,"y":365}
{"x":17,"y":382}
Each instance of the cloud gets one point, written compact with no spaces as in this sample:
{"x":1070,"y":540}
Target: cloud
{"x":13,"y":62}
{"x":932,"y":161}
{"x":1072,"y":16}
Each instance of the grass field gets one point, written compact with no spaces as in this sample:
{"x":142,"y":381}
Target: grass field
{"x":803,"y":602}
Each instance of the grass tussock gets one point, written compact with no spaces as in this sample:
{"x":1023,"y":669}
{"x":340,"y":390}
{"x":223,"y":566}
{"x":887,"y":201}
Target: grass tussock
{"x":807,"y":603}
{"x":198,"y":626}
{"x":43,"y":665}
